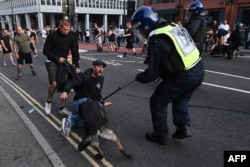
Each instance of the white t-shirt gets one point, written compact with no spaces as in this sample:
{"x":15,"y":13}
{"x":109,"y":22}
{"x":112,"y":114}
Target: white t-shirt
{"x":87,"y":33}
{"x":224,"y":27}
{"x":120,"y":32}
{"x":44,"y":34}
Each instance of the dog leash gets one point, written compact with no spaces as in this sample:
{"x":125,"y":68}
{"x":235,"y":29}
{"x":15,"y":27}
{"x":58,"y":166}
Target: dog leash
{"x":119,"y":88}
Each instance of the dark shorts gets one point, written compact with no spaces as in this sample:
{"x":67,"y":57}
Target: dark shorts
{"x":7,"y":51}
{"x":24,"y":56}
{"x":52,"y":71}
{"x":129,"y":45}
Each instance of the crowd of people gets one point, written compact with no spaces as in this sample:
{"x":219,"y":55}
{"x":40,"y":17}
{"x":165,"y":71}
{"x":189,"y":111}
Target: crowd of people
{"x":224,"y":42}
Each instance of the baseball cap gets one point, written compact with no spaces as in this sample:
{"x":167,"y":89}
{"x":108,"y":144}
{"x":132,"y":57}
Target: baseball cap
{"x":99,"y":62}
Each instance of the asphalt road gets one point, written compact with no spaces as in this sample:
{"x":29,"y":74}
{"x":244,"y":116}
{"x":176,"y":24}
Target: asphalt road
{"x":219,"y":110}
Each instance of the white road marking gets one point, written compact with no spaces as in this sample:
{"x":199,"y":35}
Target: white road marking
{"x":225,"y":87}
{"x":221,"y":73}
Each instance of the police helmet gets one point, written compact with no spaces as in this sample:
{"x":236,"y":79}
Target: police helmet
{"x":144,"y":19}
{"x":196,"y":7}
{"x":239,"y":25}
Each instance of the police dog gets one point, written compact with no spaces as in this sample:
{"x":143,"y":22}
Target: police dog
{"x":96,"y":125}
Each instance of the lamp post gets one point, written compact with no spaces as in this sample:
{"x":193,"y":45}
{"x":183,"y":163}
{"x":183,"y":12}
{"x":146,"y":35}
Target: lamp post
{"x":12,"y":13}
{"x":124,"y":10}
{"x":76,"y":19}
{"x":68,"y":9}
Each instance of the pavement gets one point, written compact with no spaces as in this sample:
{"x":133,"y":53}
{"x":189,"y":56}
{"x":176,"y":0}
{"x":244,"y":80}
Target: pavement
{"x":29,"y":147}
{"x":21,"y":143}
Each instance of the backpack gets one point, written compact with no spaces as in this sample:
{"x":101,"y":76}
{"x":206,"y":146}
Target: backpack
{"x":65,"y":73}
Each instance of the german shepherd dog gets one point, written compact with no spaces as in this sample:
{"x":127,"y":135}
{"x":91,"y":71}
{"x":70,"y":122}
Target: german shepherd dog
{"x":96,"y":125}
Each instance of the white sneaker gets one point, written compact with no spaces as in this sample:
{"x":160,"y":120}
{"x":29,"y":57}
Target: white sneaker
{"x":4,"y":64}
{"x":35,"y":55}
{"x":65,"y":111}
{"x":14,"y":64}
{"x":47,"y":108}
{"x":66,"y":126}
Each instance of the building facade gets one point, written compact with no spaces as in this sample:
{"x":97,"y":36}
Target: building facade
{"x":40,"y":14}
{"x":232,"y":10}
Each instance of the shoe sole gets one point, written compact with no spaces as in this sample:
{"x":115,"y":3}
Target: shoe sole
{"x":188,"y":136}
{"x":151,"y":139}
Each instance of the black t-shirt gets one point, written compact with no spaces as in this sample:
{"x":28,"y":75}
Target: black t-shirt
{"x":131,"y":37}
{"x":6,"y":41}
{"x":86,"y":86}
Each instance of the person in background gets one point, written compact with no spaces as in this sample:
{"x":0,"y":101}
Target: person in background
{"x":111,"y":38}
{"x":88,"y":86}
{"x":236,"y":40}
{"x":214,"y":24}
{"x":87,"y":35}
{"x":6,"y":43}
{"x":247,"y":41}
{"x":120,"y":33}
{"x":129,"y":35}
{"x":44,"y":35}
{"x":218,"y":44}
{"x":196,"y":24}
{"x":225,"y":26}
{"x":33,"y":42}
{"x":22,"y":42}
{"x":56,"y":48}
{"x":98,"y":37}
{"x":55,"y":28}
{"x":172,"y":56}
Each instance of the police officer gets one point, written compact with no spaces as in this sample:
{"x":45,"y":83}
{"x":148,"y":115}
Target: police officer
{"x":172,"y":56}
{"x":196,"y":24}
{"x":236,"y":40}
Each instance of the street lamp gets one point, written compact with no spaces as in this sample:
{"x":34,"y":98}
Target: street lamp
{"x":124,"y":8}
{"x":68,"y":8}
{"x":76,"y":19}
{"x":12,"y":13}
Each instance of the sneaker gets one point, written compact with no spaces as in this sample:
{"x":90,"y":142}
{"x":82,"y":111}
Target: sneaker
{"x":124,"y":54}
{"x":66,"y":126}
{"x":14,"y":64}
{"x":33,"y":72}
{"x":181,"y":132}
{"x":19,"y":77}
{"x":65,"y":111}
{"x":4,"y":64}
{"x":35,"y":55}
{"x":48,"y":107}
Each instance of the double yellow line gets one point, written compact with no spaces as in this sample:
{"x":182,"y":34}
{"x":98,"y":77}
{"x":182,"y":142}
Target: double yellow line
{"x":55,"y":123}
